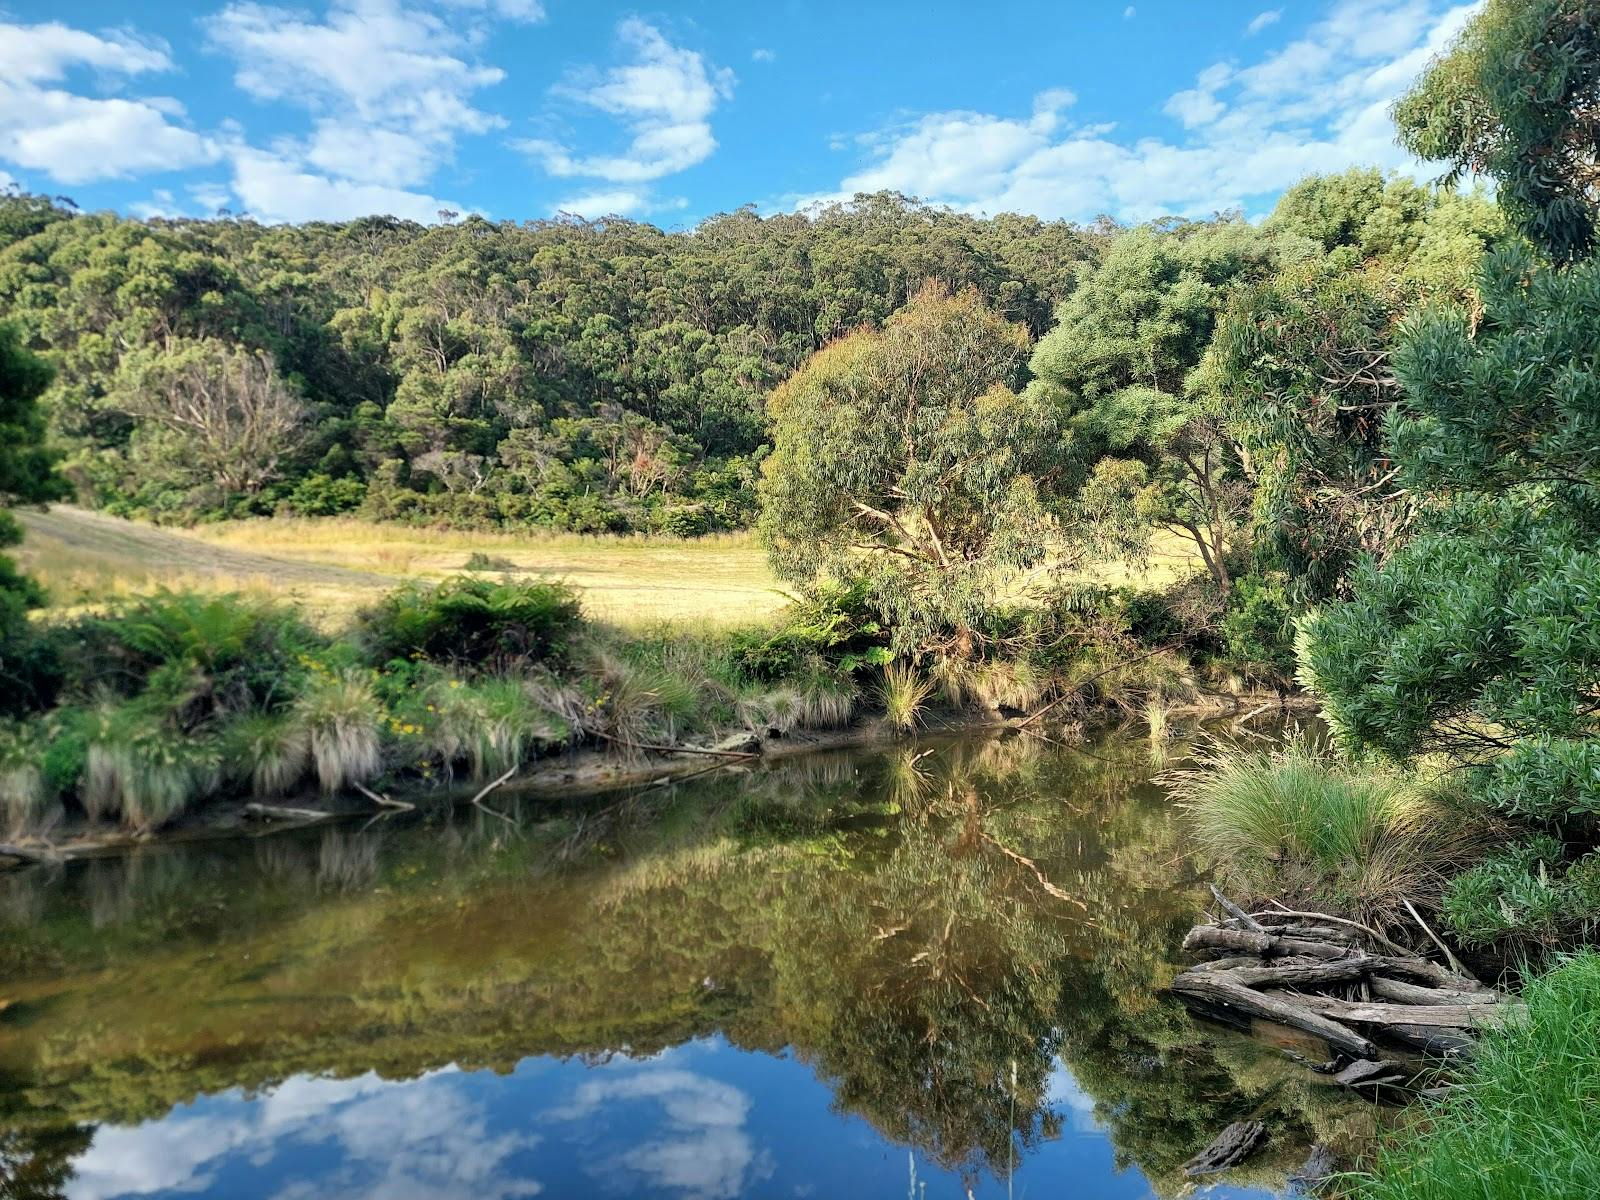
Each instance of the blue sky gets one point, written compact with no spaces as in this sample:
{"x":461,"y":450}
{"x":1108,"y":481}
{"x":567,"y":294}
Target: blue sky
{"x":328,"y":109}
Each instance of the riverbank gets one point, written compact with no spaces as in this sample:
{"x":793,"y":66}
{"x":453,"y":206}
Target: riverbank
{"x":580,"y":772}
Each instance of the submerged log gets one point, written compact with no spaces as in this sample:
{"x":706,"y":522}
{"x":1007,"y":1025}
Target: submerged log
{"x":1434,"y":1042}
{"x":279,"y":812}
{"x":1232,"y":1146}
{"x":1318,"y":1168}
{"x":1216,"y":988}
{"x":31,"y":854}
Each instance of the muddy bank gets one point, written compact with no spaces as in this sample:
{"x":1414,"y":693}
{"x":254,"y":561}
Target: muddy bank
{"x":585,"y":771}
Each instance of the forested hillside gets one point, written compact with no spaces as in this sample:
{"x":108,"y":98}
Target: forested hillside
{"x":586,"y":376}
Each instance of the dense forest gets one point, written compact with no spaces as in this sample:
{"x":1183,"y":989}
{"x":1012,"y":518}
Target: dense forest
{"x":588,"y":376}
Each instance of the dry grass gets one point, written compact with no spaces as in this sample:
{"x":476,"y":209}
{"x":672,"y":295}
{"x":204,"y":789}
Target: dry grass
{"x":332,"y":565}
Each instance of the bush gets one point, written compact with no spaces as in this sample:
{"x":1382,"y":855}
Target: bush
{"x":1525,"y":899}
{"x":1258,"y":626}
{"x":473,"y":622}
{"x":834,"y":621}
{"x":320,"y":495}
{"x":1520,"y":1121}
{"x":1298,"y":824}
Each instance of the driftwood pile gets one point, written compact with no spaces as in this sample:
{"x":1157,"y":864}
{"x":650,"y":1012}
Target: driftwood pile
{"x":1306,"y":972}
{"x":1320,"y":975}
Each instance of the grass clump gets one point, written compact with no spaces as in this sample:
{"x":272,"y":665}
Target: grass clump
{"x":490,"y":725}
{"x":343,"y":720}
{"x":139,"y":768}
{"x":902,"y":693}
{"x":270,"y":751}
{"x":1522,"y":1120}
{"x":27,"y":796}
{"x":1297,"y":823}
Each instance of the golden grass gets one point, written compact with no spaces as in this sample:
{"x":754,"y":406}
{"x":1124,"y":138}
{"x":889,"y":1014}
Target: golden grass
{"x":330,"y":566}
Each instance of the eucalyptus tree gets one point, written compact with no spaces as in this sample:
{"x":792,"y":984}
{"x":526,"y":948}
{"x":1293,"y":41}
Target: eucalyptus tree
{"x":903,"y":455}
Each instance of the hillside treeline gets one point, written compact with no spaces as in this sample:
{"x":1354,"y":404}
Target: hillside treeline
{"x":587,"y":376}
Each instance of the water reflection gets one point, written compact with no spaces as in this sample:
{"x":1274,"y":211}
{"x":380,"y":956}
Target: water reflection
{"x":772,"y":983}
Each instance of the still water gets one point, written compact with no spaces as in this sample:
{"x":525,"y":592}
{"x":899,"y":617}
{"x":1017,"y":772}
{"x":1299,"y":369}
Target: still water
{"x":928,"y":971}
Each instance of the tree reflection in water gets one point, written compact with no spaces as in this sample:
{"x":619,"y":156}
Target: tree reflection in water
{"x":964,"y":939}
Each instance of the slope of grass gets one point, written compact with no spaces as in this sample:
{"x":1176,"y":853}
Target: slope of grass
{"x":1525,"y":1120}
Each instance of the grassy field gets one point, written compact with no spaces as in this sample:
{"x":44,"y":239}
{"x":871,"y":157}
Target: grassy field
{"x":333,"y":565}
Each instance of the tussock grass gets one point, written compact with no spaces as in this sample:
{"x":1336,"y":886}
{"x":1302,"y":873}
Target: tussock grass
{"x":342,"y":718}
{"x":490,"y":724}
{"x":269,"y":751}
{"x":1522,"y":1121}
{"x":144,"y":771}
{"x":27,"y":798}
{"x":902,"y":693}
{"x":1297,"y":823}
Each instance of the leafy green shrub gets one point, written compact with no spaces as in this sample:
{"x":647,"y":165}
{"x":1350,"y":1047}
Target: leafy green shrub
{"x":1526,"y":899}
{"x":1299,"y":824}
{"x":321,"y":495}
{"x":226,"y":653}
{"x":475,"y":622}
{"x":1520,"y":1122}
{"x":1258,"y":625}
{"x":834,"y":621}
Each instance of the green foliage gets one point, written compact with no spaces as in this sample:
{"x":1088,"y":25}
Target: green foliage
{"x":1302,"y":824}
{"x":1483,"y":634}
{"x":902,"y":458}
{"x":833,"y":620}
{"x":343,"y":719}
{"x":1525,"y":899}
{"x":1258,"y":627}
{"x":584,"y":376}
{"x":140,"y":768}
{"x":1519,"y":1121}
{"x":475,"y":622}
{"x":1518,"y":98}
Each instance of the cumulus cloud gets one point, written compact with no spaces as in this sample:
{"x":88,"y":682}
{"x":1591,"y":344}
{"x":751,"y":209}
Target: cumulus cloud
{"x":699,"y":1148}
{"x":273,"y":187}
{"x":664,"y":98}
{"x":604,"y":202}
{"x":1318,"y":104}
{"x":424,"y":1138}
{"x":390,"y":88}
{"x":78,"y":138}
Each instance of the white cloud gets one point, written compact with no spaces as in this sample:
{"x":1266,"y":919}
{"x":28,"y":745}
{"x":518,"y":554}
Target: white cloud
{"x":618,"y":202}
{"x":77,"y":138}
{"x":664,"y":98}
{"x":272,"y":187}
{"x":388,"y":85}
{"x":1271,"y":17}
{"x":511,"y":10}
{"x":1318,"y":104}
{"x":393,"y":1141}
{"x":700,"y":1147}
{"x":1129,"y":13}
{"x":762,"y":54}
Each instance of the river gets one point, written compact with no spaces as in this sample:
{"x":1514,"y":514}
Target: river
{"x":930,"y":970}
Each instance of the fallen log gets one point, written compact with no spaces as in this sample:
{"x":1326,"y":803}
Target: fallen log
{"x":1411,"y":993}
{"x":1348,"y":970}
{"x":1448,"y":1016}
{"x":1436,"y":1043}
{"x":1230,"y":1147}
{"x":1370,"y":1073}
{"x":1216,"y":988}
{"x":1421,"y":968}
{"x":31,"y":854}
{"x":1210,"y":937}
{"x":278,"y":812}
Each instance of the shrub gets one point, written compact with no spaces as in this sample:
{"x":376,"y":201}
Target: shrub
{"x":1298,"y":824}
{"x":229,"y":653}
{"x":321,"y":495}
{"x":1258,"y":626}
{"x":1520,"y":1121}
{"x":834,"y":621}
{"x":475,"y":622}
{"x":1525,"y":899}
